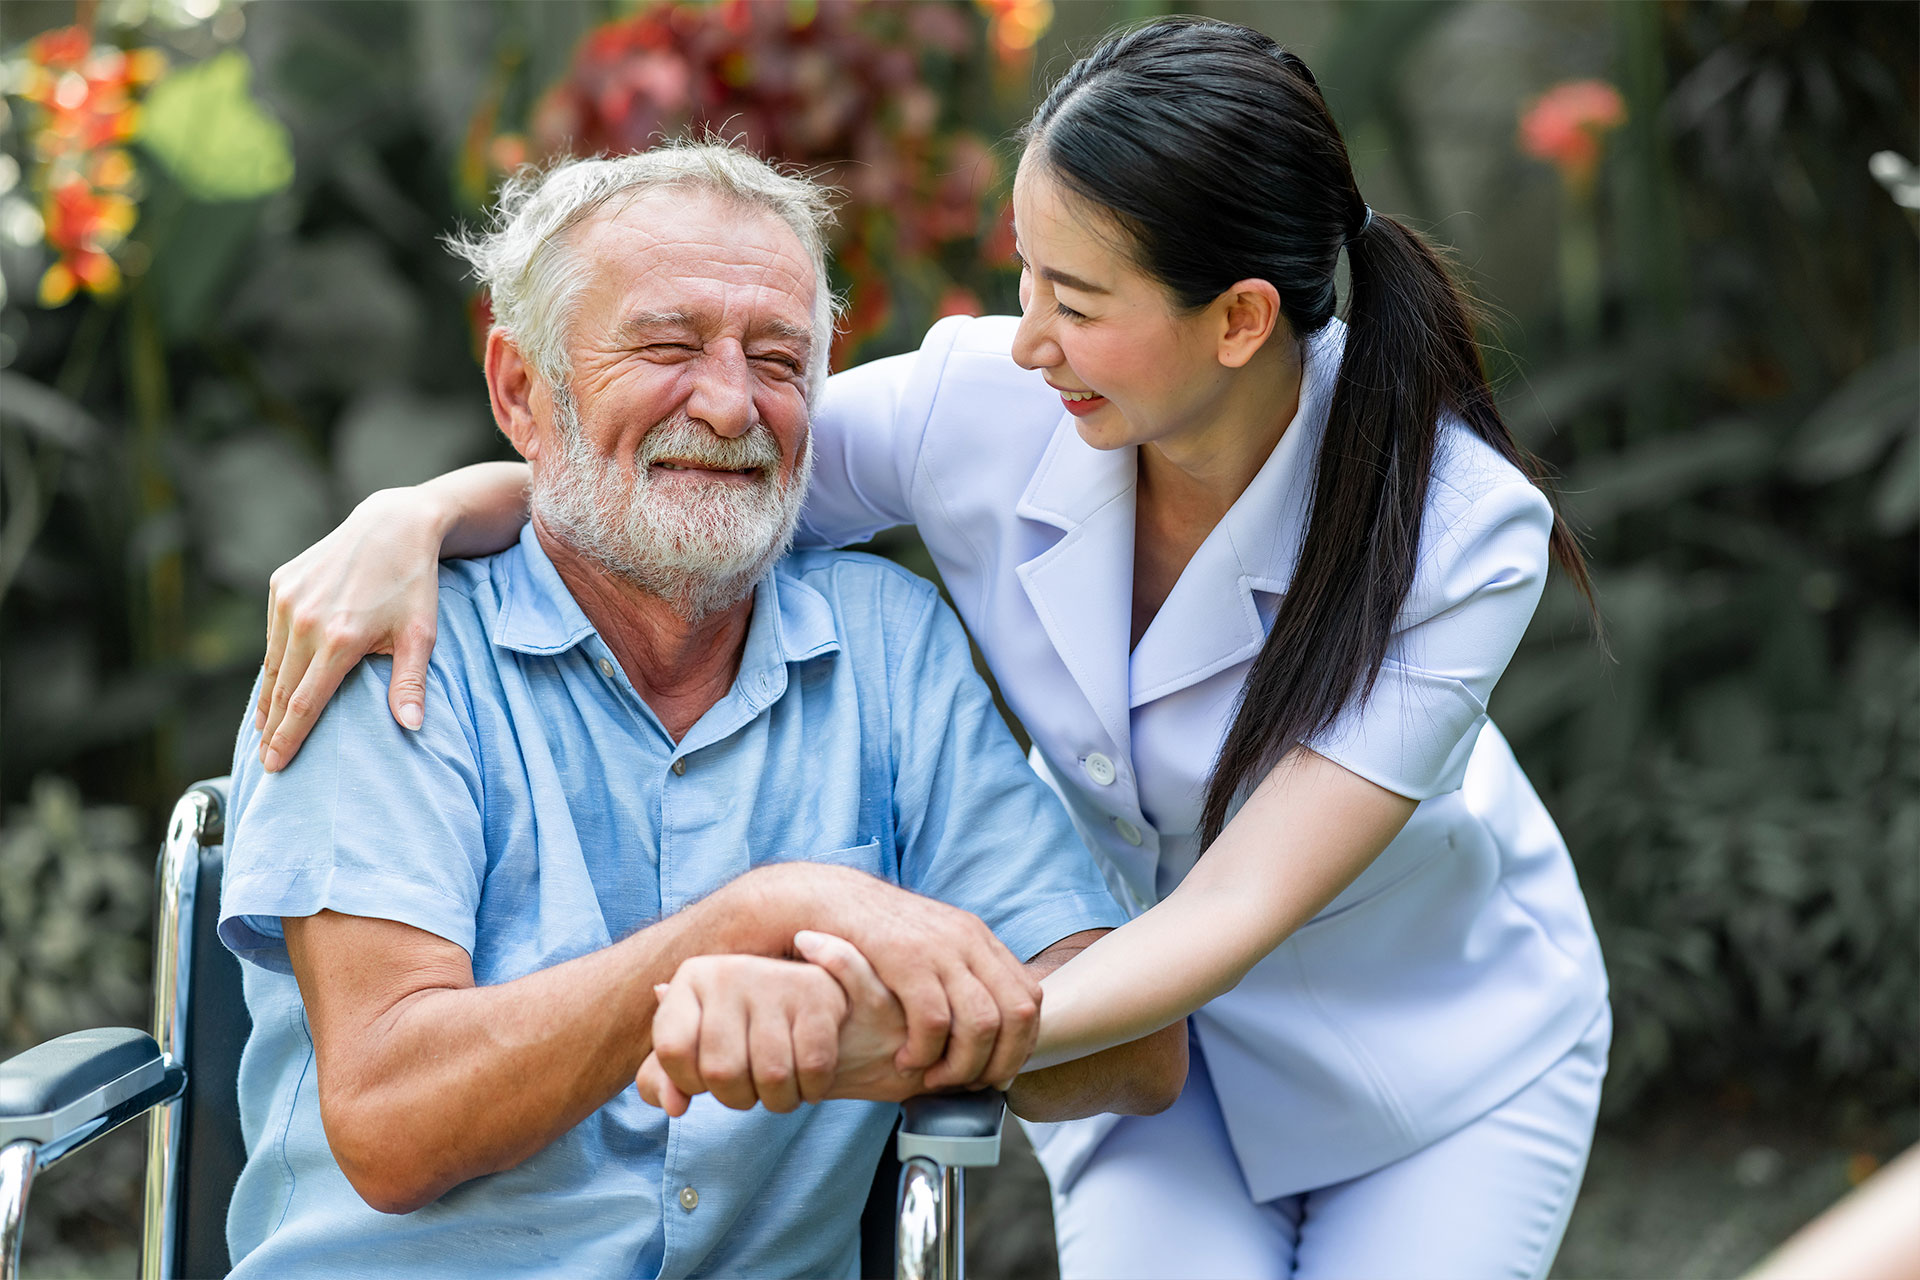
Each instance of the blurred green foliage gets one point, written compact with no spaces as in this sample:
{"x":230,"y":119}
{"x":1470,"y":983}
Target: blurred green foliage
{"x":1739,"y":437}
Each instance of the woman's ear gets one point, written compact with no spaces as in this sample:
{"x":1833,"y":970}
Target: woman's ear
{"x":512,"y":387}
{"x":1249,"y":314}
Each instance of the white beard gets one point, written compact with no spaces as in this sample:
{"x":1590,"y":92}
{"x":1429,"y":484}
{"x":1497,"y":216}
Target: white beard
{"x":700,"y":551}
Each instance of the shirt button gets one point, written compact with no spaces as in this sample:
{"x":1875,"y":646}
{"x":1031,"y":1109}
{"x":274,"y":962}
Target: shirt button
{"x":606,"y":668}
{"x":1100,"y":769}
{"x":1128,"y":832}
{"x":680,"y":767}
{"x":689,"y":1199}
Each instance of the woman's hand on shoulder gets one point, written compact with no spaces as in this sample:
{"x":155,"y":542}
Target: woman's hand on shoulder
{"x":370,"y":586}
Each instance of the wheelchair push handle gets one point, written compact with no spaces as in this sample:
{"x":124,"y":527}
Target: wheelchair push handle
{"x":942,"y":1135}
{"x":957,"y":1129}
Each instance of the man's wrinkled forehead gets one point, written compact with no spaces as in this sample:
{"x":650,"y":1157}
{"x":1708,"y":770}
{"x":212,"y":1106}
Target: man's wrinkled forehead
{"x":683,"y":253}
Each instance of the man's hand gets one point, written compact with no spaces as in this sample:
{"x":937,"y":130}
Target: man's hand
{"x":971,"y":1008}
{"x":746,"y":1029}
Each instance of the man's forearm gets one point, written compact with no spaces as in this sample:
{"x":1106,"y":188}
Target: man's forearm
{"x":1142,"y":1077}
{"x":427,"y":1081}
{"x":1139,"y":1079}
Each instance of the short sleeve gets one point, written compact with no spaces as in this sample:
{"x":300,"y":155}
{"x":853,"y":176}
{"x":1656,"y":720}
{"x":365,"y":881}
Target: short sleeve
{"x":867,"y":435}
{"x":1483,"y":564}
{"x":369,"y":819}
{"x":975,"y":825}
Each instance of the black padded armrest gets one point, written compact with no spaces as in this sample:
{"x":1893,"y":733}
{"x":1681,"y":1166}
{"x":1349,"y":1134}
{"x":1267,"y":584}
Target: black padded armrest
{"x":54,"y":1088}
{"x":960,"y":1129}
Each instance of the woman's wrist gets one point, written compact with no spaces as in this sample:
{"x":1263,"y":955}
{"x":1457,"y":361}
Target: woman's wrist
{"x":421,"y":509}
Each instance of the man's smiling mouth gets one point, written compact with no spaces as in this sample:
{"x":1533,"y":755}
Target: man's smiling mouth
{"x":702,"y":468}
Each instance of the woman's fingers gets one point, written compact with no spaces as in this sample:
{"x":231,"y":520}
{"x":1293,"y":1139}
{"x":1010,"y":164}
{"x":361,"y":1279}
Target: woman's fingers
{"x":296,"y":714}
{"x":407,"y":689}
{"x":676,"y":1036}
{"x":657,"y":1090}
{"x":770,"y":1057}
{"x":276,"y":650}
{"x":281,"y":681}
{"x":724,"y":1050}
{"x":845,"y":962}
{"x":816,"y":1052}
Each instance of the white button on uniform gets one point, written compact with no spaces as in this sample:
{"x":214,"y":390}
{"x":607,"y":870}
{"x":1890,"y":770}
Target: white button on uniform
{"x":689,"y":1199}
{"x":680,"y":765}
{"x":1128,"y":832}
{"x":1100,"y":769}
{"x":606,"y":668}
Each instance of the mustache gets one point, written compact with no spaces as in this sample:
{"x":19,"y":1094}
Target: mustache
{"x":680,"y":439}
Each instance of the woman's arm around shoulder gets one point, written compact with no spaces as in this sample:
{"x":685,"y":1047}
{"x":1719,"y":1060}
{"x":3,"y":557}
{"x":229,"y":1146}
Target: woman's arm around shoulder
{"x":372,"y":586}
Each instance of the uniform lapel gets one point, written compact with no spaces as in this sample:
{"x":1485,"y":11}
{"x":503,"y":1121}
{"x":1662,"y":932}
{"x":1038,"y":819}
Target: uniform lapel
{"x":1218,"y":613}
{"x":1082,"y":586}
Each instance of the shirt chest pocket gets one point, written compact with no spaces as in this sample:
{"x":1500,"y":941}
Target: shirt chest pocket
{"x":868,"y":857}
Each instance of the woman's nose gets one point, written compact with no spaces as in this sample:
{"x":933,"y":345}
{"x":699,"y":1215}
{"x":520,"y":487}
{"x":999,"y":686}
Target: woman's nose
{"x":1033,"y":344}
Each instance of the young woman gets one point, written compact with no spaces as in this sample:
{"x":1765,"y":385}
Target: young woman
{"x":1247,"y":575}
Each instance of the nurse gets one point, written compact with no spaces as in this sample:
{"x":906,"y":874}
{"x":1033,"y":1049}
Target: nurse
{"x":1248,"y":575}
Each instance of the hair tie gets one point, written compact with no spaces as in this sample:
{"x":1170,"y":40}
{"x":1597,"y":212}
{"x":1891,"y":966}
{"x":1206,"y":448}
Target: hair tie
{"x":1365,"y":222}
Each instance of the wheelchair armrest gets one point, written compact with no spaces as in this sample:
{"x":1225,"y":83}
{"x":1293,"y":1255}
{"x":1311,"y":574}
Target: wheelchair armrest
{"x":54,"y":1089}
{"x":961,"y":1130}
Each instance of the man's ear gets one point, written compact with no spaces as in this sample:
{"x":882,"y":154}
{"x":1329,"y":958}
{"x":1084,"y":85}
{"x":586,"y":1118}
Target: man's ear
{"x":513,"y":387}
{"x":1249,"y":314}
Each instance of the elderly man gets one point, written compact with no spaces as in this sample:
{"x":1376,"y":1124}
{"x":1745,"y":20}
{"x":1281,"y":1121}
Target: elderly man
{"x":649,"y":739}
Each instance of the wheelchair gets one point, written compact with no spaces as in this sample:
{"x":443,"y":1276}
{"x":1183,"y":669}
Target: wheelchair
{"x":58,"y":1097}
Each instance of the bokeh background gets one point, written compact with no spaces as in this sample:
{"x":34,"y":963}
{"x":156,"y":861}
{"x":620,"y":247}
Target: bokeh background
{"x":227,"y":319}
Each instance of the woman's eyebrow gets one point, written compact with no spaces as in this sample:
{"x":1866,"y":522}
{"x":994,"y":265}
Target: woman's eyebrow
{"x":1072,"y":282}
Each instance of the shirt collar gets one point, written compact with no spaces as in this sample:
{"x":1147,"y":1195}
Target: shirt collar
{"x":791,"y":621}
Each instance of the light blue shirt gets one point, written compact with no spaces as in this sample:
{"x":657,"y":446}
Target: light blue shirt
{"x":540,"y":814}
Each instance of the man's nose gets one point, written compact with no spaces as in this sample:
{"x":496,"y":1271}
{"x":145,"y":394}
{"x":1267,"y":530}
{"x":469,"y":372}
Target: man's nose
{"x":722,"y":395}
{"x":1033,"y":344}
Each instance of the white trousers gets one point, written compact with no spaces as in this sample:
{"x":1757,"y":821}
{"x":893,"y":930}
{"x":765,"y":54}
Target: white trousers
{"x":1162,"y":1196}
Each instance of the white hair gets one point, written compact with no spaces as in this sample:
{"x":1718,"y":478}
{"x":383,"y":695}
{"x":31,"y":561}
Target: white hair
{"x":526,"y":263}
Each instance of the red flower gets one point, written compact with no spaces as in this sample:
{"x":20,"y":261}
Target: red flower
{"x":85,"y":95}
{"x":1565,"y":126}
{"x":61,"y":50}
{"x":958,"y":300}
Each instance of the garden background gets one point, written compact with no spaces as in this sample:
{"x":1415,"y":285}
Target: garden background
{"x":226,"y":319}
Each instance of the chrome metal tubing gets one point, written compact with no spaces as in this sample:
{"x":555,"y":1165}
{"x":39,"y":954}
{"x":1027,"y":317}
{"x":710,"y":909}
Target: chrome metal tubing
{"x":918,"y":1254}
{"x":953,"y":1222}
{"x":195,"y":816}
{"x":18,"y":1161}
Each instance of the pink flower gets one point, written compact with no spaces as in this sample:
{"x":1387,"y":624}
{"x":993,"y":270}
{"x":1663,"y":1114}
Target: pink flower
{"x":1565,"y":126}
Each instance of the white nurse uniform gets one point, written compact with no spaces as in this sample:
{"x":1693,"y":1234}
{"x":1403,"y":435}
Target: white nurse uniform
{"x":1460,"y":966}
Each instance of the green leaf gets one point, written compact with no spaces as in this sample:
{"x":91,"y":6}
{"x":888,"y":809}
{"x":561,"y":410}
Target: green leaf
{"x":205,"y":127}
{"x":1850,"y":432}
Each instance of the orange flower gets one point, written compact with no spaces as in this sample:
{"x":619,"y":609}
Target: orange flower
{"x":85,"y":95}
{"x":62,"y":49}
{"x":82,"y":224}
{"x":958,"y":300}
{"x":1017,"y":25}
{"x":1565,"y":126}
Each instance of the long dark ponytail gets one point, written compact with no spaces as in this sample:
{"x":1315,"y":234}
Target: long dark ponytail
{"x":1212,"y":148}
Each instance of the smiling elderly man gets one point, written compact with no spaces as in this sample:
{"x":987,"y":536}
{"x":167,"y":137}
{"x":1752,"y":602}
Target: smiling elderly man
{"x":648,"y":738}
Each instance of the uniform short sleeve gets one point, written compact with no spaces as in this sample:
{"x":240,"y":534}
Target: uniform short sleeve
{"x":368,"y":820}
{"x":975,"y":825}
{"x":1483,"y":563}
{"x":867,"y":435}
